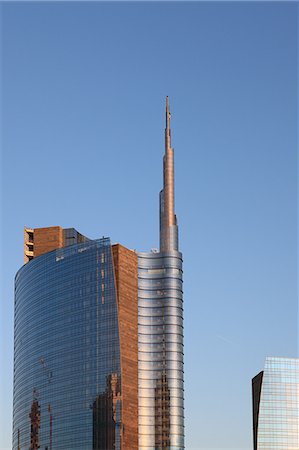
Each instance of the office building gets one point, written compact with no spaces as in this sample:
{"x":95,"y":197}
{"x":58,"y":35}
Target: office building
{"x":76,"y":338}
{"x":75,"y":361}
{"x":160,"y":326}
{"x":275,"y":400}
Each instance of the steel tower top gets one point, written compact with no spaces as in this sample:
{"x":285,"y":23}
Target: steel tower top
{"x":168,"y":222}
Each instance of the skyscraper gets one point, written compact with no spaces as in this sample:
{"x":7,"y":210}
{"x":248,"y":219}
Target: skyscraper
{"x":160,"y":326}
{"x":75,"y":359}
{"x":275,"y":400}
{"x":76,"y":337}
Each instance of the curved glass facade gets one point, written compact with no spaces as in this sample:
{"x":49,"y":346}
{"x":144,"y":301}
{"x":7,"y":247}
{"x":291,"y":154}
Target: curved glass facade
{"x":160,"y":350}
{"x":67,"y":374}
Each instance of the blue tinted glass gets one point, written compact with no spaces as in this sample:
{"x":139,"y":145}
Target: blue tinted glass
{"x":67,"y":385}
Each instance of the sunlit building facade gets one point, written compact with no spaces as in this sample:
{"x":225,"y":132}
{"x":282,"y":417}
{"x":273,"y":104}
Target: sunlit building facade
{"x":275,"y":396}
{"x":160,"y":327}
{"x":76,"y":352}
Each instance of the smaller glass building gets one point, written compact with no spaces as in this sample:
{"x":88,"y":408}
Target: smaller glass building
{"x":275,"y":397}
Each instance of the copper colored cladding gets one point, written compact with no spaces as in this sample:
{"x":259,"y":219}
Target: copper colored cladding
{"x":169,"y":216}
{"x":126,"y":276}
{"x":47,"y":239}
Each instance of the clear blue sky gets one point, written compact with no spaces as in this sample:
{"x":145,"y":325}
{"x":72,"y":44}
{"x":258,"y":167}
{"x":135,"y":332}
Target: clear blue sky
{"x":84,"y":88}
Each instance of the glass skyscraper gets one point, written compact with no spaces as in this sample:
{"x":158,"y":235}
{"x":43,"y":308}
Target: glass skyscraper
{"x":160,"y":327}
{"x":98,"y":339}
{"x":275,"y":396}
{"x":76,"y":352}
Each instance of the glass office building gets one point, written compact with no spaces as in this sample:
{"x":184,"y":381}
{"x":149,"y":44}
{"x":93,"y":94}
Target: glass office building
{"x":160,"y":327}
{"x":74,"y":382}
{"x":275,"y":396}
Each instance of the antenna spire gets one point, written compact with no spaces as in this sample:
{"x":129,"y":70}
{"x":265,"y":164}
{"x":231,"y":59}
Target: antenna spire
{"x":168,"y":223}
{"x":167,"y":130}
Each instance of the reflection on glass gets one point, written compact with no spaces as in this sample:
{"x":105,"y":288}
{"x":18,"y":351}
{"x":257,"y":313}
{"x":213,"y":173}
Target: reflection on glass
{"x":275,"y":395}
{"x":160,"y":357}
{"x":66,"y":348}
{"x":107,"y":416}
{"x":35,"y":425}
{"x":162,"y":413}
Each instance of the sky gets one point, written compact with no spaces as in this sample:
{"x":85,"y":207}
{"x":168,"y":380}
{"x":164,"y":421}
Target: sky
{"x":83,"y":108}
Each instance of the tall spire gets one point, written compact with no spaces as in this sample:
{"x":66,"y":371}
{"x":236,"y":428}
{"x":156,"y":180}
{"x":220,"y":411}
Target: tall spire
{"x":168,"y":224}
{"x":168,"y":117}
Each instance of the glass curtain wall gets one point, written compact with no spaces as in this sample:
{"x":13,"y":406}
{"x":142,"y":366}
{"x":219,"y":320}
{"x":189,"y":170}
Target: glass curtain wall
{"x":278,"y":412}
{"x":160,"y":335}
{"x":67,"y":385}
